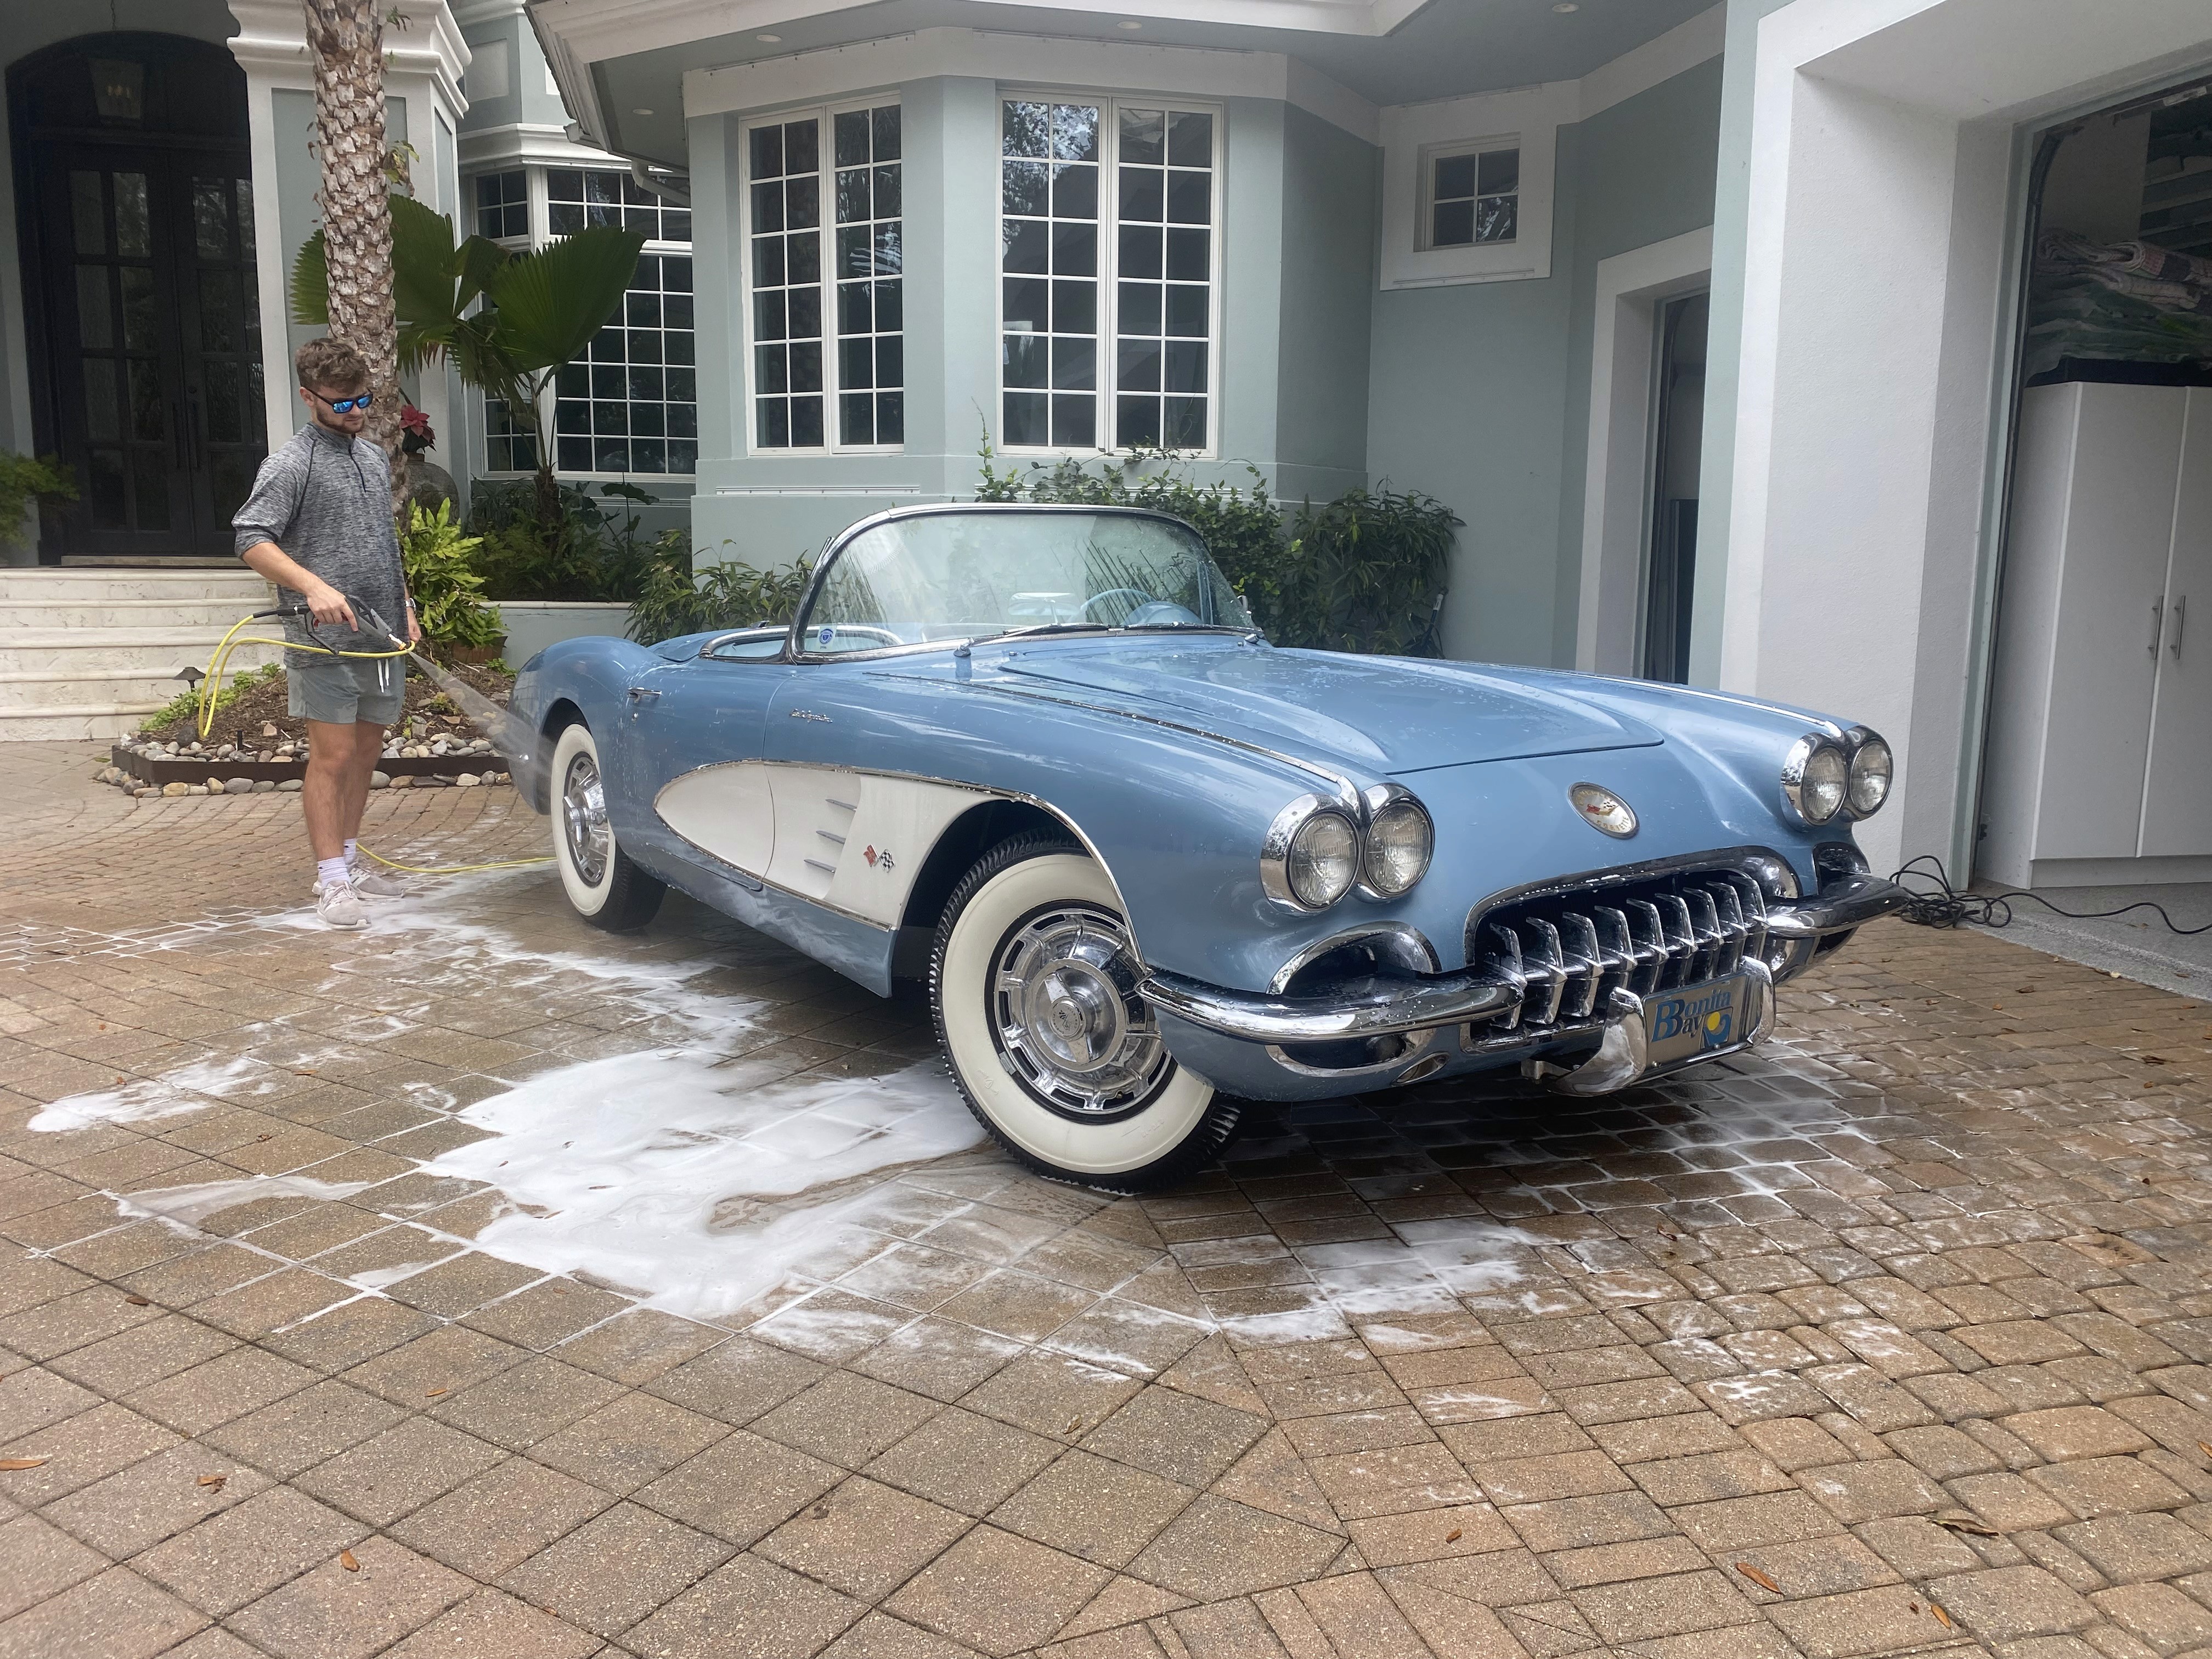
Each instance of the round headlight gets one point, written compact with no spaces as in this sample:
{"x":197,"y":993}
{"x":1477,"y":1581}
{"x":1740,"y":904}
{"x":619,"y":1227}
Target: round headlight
{"x":1400,"y":840}
{"x":1871,"y":766}
{"x":1324,"y":859}
{"x":1821,"y":785}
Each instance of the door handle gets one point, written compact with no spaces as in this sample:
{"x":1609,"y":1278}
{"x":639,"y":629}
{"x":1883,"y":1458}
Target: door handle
{"x":2180,"y":614}
{"x":642,"y":694}
{"x":2157,"y":623}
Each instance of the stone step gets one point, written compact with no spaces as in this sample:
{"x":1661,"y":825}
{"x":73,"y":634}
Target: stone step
{"x":43,"y":583}
{"x":94,"y":723}
{"x":20,"y":692}
{"x":88,"y":655}
{"x":98,"y":614}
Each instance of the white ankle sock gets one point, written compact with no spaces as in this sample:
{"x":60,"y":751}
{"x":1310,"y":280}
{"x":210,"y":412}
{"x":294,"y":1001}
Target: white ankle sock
{"x":352,"y":853}
{"x":331,"y":873}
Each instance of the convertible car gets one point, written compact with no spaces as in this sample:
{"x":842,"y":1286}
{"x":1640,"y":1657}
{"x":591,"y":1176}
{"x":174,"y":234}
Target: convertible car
{"x":1148,"y":865}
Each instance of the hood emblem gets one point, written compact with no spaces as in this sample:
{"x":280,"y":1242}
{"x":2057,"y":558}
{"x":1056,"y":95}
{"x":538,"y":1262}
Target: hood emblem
{"x":1603,"y":810}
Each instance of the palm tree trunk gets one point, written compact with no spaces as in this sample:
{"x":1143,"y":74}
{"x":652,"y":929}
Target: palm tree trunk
{"x":346,"y":39}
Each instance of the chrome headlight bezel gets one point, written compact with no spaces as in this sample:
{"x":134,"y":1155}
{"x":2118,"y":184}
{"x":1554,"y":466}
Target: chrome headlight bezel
{"x":1393,"y":800}
{"x":1283,"y":835}
{"x":1871,"y":748}
{"x":1798,"y":763}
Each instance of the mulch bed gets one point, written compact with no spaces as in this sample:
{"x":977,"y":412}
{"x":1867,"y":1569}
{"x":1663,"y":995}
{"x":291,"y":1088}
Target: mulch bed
{"x":247,"y":722}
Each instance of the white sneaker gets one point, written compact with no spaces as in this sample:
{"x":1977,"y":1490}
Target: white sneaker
{"x":337,"y":906}
{"x":370,"y":883}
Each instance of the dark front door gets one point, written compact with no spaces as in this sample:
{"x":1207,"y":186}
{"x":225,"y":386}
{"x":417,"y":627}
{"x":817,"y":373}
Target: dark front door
{"x":139,"y":211}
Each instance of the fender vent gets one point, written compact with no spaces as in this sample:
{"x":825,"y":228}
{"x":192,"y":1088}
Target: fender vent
{"x":1568,"y":951}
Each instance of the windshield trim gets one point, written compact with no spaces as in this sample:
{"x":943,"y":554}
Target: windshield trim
{"x":796,"y":645}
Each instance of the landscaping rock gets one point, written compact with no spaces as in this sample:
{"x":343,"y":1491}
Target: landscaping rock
{"x":196,"y":789}
{"x":237,"y":786}
{"x":177,"y":789}
{"x":404,"y":780}
{"x":380,"y":780}
{"x":467,"y":780}
{"x":265,"y":785}
{"x":287,"y":786}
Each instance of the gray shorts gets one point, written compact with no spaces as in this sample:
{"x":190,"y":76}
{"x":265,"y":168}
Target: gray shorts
{"x":342,"y":689}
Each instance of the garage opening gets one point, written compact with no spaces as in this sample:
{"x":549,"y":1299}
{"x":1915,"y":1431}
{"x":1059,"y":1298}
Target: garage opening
{"x":2097,"y":785}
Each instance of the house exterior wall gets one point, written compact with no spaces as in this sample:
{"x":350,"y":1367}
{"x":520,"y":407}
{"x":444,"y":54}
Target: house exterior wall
{"x":1478,"y":392}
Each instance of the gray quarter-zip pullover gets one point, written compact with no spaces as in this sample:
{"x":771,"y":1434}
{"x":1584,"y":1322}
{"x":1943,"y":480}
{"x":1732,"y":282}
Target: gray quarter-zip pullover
{"x":326,"y":498}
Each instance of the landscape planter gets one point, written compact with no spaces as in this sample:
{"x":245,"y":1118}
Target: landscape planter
{"x":533,"y":624}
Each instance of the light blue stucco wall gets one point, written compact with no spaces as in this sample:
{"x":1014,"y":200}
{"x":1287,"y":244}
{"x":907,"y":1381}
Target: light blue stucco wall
{"x":1479,"y":392}
{"x":1298,"y":206}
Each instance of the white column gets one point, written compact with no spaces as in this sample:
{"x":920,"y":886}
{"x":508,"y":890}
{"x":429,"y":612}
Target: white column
{"x":425,"y":56}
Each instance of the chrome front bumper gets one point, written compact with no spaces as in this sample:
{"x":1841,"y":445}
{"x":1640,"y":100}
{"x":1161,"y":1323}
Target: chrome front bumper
{"x":1389,"y":1006}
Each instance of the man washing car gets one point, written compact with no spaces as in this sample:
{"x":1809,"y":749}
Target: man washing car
{"x":318,"y":527}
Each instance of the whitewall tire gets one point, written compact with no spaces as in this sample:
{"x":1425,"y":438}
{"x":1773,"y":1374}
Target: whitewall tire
{"x":1032,"y":981}
{"x":604,"y":886}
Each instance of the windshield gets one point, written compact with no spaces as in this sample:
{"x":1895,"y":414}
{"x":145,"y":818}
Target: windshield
{"x":970,"y":575}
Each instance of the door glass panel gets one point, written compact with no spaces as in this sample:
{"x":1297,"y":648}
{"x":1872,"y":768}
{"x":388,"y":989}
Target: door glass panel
{"x":138,"y":316}
{"x":95,"y":308}
{"x":149,"y":477}
{"x":107,"y":493}
{"x":234,"y":480}
{"x":146,"y":400}
{"x":219,"y":317}
{"x":223,"y":424}
{"x":211,"y":218}
{"x":242,"y":191}
{"x":103,"y":417}
{"x":87,"y":214}
{"x":133,"y":234}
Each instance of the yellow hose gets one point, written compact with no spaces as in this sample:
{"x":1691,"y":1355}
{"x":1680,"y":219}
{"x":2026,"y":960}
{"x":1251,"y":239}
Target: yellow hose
{"x":211,"y":686}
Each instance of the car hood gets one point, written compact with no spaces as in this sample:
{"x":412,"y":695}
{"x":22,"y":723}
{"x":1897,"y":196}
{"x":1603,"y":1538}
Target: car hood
{"x":1379,"y":714}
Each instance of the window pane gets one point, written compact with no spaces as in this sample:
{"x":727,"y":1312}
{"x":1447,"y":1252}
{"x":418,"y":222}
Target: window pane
{"x":1455,"y":177}
{"x":1162,"y":330}
{"x":1499,"y":173}
{"x":1050,"y":224}
{"x":1453,"y":224}
{"x":1496,"y":218}
{"x":786,"y":264}
{"x":133,"y":238}
{"x":87,"y":213}
{"x":616,"y":402}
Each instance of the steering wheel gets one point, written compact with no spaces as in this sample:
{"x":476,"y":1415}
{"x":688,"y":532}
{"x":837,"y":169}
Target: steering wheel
{"x":1136,"y":593}
{"x":863,"y":629}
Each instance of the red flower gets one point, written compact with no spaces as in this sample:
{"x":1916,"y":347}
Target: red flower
{"x":416,"y":427}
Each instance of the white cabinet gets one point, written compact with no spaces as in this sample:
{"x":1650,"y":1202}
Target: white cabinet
{"x":2100,"y":761}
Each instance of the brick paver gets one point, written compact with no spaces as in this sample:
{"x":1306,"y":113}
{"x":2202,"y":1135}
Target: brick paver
{"x":1896,"y":1338}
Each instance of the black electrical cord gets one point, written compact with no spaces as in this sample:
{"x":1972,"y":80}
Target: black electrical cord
{"x":1945,"y":906}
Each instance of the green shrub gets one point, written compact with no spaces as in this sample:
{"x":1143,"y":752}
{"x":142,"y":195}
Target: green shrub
{"x":185,"y":705}
{"x":25,"y":479}
{"x":592,"y":552}
{"x":448,"y":593}
{"x":1365,"y":572}
{"x":677,"y":600}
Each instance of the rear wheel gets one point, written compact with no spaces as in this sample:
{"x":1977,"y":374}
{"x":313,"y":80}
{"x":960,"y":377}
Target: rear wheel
{"x":604,"y":886}
{"x":1033,"y":986}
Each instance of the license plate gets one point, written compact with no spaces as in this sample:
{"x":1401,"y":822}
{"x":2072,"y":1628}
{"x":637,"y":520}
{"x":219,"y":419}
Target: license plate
{"x":1697,"y":1020}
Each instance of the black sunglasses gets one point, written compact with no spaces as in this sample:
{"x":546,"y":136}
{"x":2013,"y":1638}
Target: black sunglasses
{"x":342,"y":406}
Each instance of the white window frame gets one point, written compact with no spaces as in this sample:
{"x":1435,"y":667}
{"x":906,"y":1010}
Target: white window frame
{"x":826,"y":157}
{"x":540,"y":234}
{"x":1109,"y":260}
{"x":1414,"y":136}
{"x":1426,"y":226}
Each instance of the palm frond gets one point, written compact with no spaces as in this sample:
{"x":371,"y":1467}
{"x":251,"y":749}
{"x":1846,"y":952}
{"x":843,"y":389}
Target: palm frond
{"x":311,"y":284}
{"x":552,"y":302}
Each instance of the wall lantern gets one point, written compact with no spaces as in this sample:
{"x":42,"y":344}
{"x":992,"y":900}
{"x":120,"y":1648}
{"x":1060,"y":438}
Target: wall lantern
{"x":119,"y":89}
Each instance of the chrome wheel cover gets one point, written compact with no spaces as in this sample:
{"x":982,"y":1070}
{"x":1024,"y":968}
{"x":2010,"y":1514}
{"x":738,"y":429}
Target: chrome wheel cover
{"x":584,"y":820}
{"x":1065,"y":1017}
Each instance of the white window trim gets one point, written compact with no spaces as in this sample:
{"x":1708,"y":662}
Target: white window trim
{"x":1424,"y":219}
{"x":1109,"y":260}
{"x":1414,"y":134}
{"x":540,"y":234}
{"x":826,"y":228}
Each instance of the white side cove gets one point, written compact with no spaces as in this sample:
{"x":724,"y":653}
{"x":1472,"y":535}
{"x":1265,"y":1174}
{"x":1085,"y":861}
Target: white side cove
{"x":853,"y":840}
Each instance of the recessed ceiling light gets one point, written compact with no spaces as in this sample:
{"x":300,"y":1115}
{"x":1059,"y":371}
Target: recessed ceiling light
{"x":1565,"y":6}
{"x":771,"y":38}
{"x":1131,"y":23}
{"x":640,"y":111}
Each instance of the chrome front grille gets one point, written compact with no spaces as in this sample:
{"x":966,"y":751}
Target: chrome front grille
{"x":1568,"y":951}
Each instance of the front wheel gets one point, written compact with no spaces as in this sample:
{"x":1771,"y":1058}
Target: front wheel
{"x":1032,"y":984}
{"x":604,"y":886}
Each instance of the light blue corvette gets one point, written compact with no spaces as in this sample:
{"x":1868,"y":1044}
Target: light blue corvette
{"x":1147,"y":864}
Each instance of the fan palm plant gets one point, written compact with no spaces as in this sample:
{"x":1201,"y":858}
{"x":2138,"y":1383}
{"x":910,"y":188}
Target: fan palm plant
{"x":539,"y":310}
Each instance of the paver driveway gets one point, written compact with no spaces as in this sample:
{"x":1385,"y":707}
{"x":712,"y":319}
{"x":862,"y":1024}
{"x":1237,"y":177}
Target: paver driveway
{"x":382,"y":1295}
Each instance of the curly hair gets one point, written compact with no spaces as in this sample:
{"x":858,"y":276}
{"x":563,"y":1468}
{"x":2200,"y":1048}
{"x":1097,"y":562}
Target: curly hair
{"x":330,"y":365}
